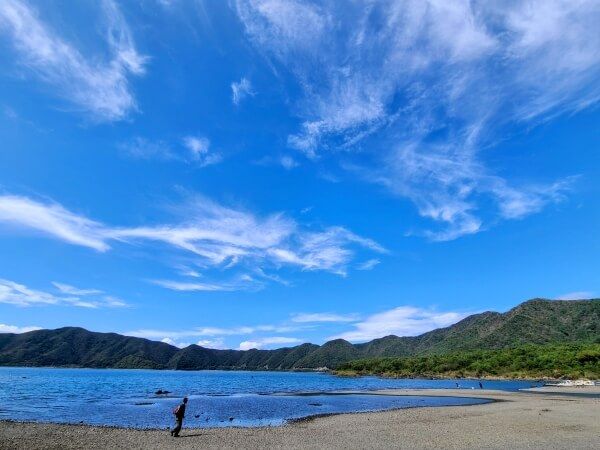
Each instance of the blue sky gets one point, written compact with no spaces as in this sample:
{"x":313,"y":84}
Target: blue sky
{"x":263,"y":173}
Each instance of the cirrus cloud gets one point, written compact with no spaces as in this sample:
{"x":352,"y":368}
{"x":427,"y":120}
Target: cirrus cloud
{"x":215,"y":235}
{"x":98,"y":88}
{"x":412,"y":91}
{"x":323,"y":317}
{"x":17,"y":294}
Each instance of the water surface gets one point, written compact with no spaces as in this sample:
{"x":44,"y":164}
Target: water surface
{"x":217,"y":398}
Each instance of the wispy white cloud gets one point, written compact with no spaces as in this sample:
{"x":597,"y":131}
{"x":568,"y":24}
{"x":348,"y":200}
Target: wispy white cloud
{"x":193,"y":150}
{"x":112,"y":302}
{"x":325,"y":250}
{"x":199,"y":151}
{"x":240,"y":90}
{"x":216,"y":235}
{"x":72,"y":290}
{"x":400,"y":321}
{"x":421,"y":87}
{"x":142,"y":148}
{"x":218,"y":344}
{"x":209,"y":334}
{"x":577,"y":295}
{"x":98,"y":88}
{"x":197,"y":145}
{"x":20,"y":295}
{"x":175,"y":343}
{"x":368,"y":264}
{"x":288,"y":162}
{"x":52,"y":219}
{"x":4,"y":328}
{"x":10,"y":113}
{"x":240,"y":282}
{"x":323,"y":317}
{"x":267,"y":341}
{"x":445,"y":185}
{"x":191,"y":287}
{"x":187,"y":272}
{"x":284,"y":26}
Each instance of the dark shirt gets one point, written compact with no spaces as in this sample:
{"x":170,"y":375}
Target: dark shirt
{"x":180,"y":412}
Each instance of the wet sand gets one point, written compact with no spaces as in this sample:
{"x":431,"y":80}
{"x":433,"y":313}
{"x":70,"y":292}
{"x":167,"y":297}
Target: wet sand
{"x":516,"y":420}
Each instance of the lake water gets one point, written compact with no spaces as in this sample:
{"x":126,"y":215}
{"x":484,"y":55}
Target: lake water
{"x":217,"y":398}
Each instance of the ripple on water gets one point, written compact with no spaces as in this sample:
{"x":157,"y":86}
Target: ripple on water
{"x":217,"y":399}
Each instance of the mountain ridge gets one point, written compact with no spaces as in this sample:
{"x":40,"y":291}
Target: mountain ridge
{"x":536,"y":321}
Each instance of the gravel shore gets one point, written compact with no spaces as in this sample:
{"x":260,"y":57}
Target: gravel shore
{"x":516,"y":420}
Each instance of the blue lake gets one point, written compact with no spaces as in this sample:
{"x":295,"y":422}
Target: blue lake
{"x":217,"y":398}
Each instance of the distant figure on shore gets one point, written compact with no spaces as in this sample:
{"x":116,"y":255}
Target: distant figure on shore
{"x":457,"y":386}
{"x":179,"y":413}
{"x":480,"y":385}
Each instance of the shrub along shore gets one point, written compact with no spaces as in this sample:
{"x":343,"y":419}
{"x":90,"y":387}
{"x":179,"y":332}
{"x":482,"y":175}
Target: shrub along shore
{"x":574,"y":361}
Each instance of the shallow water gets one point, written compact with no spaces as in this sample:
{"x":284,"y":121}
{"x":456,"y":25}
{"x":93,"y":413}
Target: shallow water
{"x":217,"y":398}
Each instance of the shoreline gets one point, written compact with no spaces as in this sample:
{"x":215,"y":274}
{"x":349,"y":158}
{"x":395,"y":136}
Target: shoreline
{"x":380,"y":392}
{"x":513,"y":419}
{"x":327,"y":371}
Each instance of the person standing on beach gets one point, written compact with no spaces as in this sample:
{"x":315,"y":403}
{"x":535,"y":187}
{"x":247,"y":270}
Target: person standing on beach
{"x":179,"y":413}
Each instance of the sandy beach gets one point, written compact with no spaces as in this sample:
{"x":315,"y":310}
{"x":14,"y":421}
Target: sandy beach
{"x":515,"y":420}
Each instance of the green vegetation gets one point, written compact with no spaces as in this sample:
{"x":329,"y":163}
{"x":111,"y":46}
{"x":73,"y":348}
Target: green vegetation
{"x":526,"y":361}
{"x":538,"y":322}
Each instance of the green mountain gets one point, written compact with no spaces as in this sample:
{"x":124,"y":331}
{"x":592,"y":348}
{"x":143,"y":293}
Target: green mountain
{"x":533,"y":322}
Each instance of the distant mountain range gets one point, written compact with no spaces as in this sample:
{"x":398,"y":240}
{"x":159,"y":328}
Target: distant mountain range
{"x":536,"y":321}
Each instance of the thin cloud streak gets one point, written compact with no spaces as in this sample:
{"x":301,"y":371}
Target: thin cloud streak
{"x":54,"y":220}
{"x":72,"y":290}
{"x":577,"y":295}
{"x":210,"y":332}
{"x":369,"y":264}
{"x":323,"y":318}
{"x":191,"y":287}
{"x":20,"y":295}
